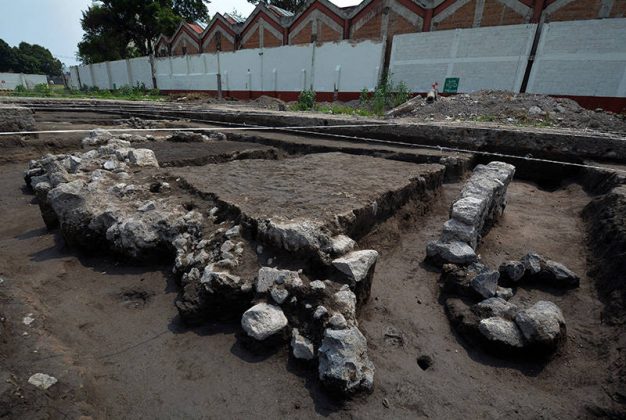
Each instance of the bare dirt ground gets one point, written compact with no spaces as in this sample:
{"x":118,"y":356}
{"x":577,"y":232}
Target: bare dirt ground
{"x":110,"y":333}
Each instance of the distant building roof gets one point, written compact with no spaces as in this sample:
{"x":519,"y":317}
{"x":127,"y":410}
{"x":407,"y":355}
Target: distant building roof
{"x":279,"y":11}
{"x":233,"y":20}
{"x":196,"y":27}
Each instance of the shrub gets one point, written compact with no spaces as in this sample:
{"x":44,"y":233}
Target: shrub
{"x":306,"y":100}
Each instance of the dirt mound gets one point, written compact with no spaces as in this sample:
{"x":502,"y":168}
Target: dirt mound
{"x":512,"y":109}
{"x":267,"y":102}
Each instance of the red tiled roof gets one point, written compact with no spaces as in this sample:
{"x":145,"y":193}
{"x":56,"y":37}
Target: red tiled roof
{"x":196,"y":28}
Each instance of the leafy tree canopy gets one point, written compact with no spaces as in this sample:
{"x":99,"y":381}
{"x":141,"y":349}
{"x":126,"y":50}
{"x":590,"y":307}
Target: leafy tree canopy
{"x":118,"y":29}
{"x":27,"y":58}
{"x":294,"y":6}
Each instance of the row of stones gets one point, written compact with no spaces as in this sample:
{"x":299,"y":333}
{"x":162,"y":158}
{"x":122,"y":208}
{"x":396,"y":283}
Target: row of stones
{"x":476,"y":303}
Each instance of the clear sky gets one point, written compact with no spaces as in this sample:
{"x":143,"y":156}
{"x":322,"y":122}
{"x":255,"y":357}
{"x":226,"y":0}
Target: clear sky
{"x":55,"y":24}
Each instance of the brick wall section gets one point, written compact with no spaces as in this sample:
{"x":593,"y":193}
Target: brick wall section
{"x":253,"y":41}
{"x":327,"y":34}
{"x":496,"y":14}
{"x":619,"y":9}
{"x":211,"y":47}
{"x":399,"y":25}
{"x":304,"y":36}
{"x":269,"y":40}
{"x":576,"y":10}
{"x":191,"y":49}
{"x":462,"y":18}
{"x":371,"y":30}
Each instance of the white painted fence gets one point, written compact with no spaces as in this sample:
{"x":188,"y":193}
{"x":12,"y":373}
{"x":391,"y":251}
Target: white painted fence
{"x":482,"y":58}
{"x":113,"y":74}
{"x":343,"y":67}
{"x":9,"y":81}
{"x":583,"y":58}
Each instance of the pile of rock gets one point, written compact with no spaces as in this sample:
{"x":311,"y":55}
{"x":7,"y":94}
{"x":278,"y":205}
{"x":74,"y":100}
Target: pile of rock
{"x":479,"y":309}
{"x":481,"y":202}
{"x":92,"y":198}
{"x":100,"y":137}
{"x":532,"y":268}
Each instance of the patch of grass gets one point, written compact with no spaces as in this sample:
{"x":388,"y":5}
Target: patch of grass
{"x":129,"y":93}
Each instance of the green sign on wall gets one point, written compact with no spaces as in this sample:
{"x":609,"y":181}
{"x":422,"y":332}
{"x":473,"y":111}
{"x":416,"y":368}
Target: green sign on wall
{"x":451,"y":85}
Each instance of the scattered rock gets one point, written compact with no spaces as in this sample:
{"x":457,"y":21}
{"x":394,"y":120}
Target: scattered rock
{"x":542,"y":324}
{"x":343,"y":362}
{"x":263,"y":320}
{"x":485,"y":284}
{"x":301,"y":347}
{"x":502,"y":332}
{"x":495,"y":307}
{"x":42,"y":380}
{"x":512,"y":270}
{"x":455,"y":252}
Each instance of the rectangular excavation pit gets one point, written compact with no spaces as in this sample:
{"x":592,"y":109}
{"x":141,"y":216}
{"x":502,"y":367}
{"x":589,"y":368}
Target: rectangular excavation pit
{"x":300,"y":204}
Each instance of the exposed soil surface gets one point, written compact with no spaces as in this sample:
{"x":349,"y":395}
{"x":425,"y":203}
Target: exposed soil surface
{"x":316,"y":187}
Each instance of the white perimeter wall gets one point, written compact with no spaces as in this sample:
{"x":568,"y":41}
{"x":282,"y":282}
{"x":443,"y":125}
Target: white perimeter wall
{"x":586,"y":58}
{"x":9,"y":81}
{"x":344,"y":66}
{"x":113,"y":74}
{"x":482,"y":58}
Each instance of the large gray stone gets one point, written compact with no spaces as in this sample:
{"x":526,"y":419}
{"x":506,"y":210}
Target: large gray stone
{"x":344,"y":365}
{"x":469,"y":210}
{"x":512,"y":270}
{"x":542,"y":324}
{"x":485,"y":284}
{"x":558,"y":275}
{"x":269,"y":276}
{"x":454,"y":230}
{"x":502,"y":332}
{"x":453,"y":252}
{"x":263,"y":320}
{"x":495,"y":306}
{"x":532,"y":263}
{"x":143,"y":157}
{"x":357,"y":264}
{"x":301,"y":347}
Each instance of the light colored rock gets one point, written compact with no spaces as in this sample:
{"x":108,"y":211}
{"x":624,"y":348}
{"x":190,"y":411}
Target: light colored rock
{"x":320,"y":311}
{"x":301,"y":347}
{"x":42,"y":380}
{"x":453,"y":252}
{"x":501,"y":331}
{"x":532,"y":263}
{"x":279,"y":295}
{"x":454,"y":230}
{"x":143,"y":157}
{"x":341,"y":244}
{"x":495,"y":307}
{"x":317,"y":286}
{"x":337,"y":321}
{"x":233,"y":232}
{"x":345,"y":301}
{"x":469,"y":210}
{"x":542,"y":323}
{"x":263,"y":320}
{"x":535,"y":110}
{"x":343,"y":362}
{"x":111,"y":165}
{"x":269,"y":276}
{"x":357,"y":264}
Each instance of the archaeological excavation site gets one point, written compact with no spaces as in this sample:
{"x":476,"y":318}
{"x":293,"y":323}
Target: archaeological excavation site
{"x":185,"y":260}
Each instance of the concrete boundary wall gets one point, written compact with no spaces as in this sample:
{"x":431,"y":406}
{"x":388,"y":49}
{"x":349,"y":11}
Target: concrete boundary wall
{"x":339,"y":69}
{"x":482,"y":58}
{"x":9,"y":81}
{"x":581,"y":58}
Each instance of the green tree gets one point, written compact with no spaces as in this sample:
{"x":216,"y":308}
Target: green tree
{"x":27,"y":58}
{"x":118,"y":29}
{"x":293,"y":6}
{"x":7,"y":57}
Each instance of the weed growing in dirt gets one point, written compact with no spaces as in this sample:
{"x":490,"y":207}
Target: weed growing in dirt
{"x":130,"y":93}
{"x":306,"y":100}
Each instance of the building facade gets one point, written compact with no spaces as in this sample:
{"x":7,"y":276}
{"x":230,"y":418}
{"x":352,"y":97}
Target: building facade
{"x":322,"y":21}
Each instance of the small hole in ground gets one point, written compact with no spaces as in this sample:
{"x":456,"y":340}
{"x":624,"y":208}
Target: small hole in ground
{"x":424,"y":362}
